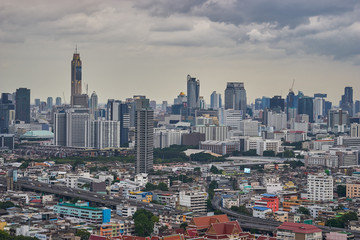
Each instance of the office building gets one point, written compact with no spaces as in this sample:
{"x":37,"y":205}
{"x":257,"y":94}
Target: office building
{"x":153,"y":104}
{"x":49,"y":103}
{"x":81,"y":210}
{"x":347,"y":101}
{"x":217,"y":133}
{"x":220,"y":147}
{"x":320,"y":187}
{"x":215,"y":100}
{"x":58,"y":101}
{"x":144,"y":135}
{"x":306,"y":107}
{"x":357,"y":107}
{"x":22,"y":108}
{"x":265,"y":103}
{"x":105,"y":134}
{"x":124,"y":118}
{"x":250,"y":128}
{"x":235,"y":96}
{"x":193,"y":94}
{"x":230,"y":118}
{"x":277,"y":104}
{"x":7,"y":141}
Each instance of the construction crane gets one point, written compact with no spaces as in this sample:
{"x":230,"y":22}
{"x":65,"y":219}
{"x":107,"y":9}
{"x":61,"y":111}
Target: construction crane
{"x":292,"y":86}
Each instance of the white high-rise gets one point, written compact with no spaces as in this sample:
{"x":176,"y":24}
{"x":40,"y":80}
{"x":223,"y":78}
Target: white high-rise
{"x":320,"y":187}
{"x":105,"y":134}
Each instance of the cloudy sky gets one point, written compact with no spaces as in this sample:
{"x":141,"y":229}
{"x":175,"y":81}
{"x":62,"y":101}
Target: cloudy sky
{"x":148,"y":47}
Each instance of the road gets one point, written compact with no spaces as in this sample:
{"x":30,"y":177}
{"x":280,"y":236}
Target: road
{"x":250,"y":222}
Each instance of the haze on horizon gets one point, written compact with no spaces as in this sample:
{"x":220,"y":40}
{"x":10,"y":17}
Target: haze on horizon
{"x":149,"y":47}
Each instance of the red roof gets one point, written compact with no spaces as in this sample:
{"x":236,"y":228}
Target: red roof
{"x":206,"y":221}
{"x":299,"y":227}
{"x":222,"y":229}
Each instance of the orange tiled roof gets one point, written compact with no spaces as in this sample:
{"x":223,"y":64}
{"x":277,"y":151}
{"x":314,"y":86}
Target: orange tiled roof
{"x":206,"y":221}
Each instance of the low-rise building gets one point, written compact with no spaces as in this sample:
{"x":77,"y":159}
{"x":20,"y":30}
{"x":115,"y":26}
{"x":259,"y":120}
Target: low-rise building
{"x":288,"y":230}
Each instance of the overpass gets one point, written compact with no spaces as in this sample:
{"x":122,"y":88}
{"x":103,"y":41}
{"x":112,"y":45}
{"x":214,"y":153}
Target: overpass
{"x":103,"y":199}
{"x":268,"y":225}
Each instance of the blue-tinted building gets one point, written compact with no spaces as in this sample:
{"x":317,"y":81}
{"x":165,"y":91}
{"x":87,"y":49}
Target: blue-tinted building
{"x":82,"y":210}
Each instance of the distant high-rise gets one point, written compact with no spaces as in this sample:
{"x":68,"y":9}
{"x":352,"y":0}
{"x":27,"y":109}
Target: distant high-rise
{"x":215,"y":100}
{"x":306,"y":106}
{"x":347,"y":101}
{"x":7,"y":109}
{"x":277,"y":104}
{"x":22,"y":110}
{"x":193,"y":93}
{"x":357,"y":106}
{"x":76,"y":80}
{"x":37,"y":102}
{"x":124,"y":118}
{"x":93,"y":105}
{"x":58,"y":101}
{"x":144,"y":135}
{"x":49,"y":103}
{"x":235,"y":96}
{"x":291,"y":107}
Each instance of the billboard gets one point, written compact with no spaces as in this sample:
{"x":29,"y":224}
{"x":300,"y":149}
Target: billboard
{"x":247,"y":170}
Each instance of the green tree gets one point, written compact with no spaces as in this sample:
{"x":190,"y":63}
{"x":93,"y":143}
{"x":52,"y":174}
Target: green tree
{"x":144,"y":222}
{"x":303,"y":210}
{"x":241,"y":209}
{"x":6,"y":236}
{"x":197,"y":169}
{"x":335,"y":223}
{"x":183,"y":225}
{"x":83,"y":234}
{"x":215,"y":170}
{"x":269,"y":153}
{"x":163,"y":186}
{"x":7,"y":204}
{"x":341,"y":190}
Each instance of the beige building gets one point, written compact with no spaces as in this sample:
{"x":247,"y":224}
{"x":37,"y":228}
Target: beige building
{"x":353,"y":190}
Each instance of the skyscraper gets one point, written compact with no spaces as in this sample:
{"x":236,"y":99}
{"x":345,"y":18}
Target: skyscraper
{"x":124,"y":118}
{"x":215,"y":100}
{"x":144,"y":135}
{"x":347,"y":101}
{"x":49,"y":103}
{"x":22,"y":110}
{"x":7,"y":109}
{"x":235,"y":96}
{"x":277,"y":104}
{"x":75,"y":77}
{"x":306,"y":107}
{"x":93,"y":105}
{"x":291,"y":108}
{"x":193,"y":93}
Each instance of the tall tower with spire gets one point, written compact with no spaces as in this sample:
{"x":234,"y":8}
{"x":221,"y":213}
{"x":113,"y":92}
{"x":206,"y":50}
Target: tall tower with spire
{"x":76,"y":81}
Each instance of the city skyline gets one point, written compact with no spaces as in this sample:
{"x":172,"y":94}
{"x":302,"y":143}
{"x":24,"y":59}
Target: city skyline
{"x":160,"y":43}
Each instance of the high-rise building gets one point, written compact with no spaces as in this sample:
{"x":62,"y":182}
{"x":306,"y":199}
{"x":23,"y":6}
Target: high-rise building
{"x":22,"y":109}
{"x":105,"y":134}
{"x":164,"y":106}
{"x":193,"y":93}
{"x":291,"y":106}
{"x":319,"y":108}
{"x":265,"y":103}
{"x":93,"y":105}
{"x":144,"y":135}
{"x":355,"y":130}
{"x":153,"y":104}
{"x":49,"y":103}
{"x":7,"y":109}
{"x":320,"y":187}
{"x":58,"y":101}
{"x":72,"y":127}
{"x":124,"y":118}
{"x":306,"y":107}
{"x":215,"y":100}
{"x":338,"y":120}
{"x":202,"y":104}
{"x":235,"y":96}
{"x":37,"y":102}
{"x":277,"y":104}
{"x":76,"y":81}
{"x":347,"y":101}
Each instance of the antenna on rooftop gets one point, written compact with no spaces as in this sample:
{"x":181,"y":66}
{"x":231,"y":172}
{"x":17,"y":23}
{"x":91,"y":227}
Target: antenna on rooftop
{"x":76,"y":48}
